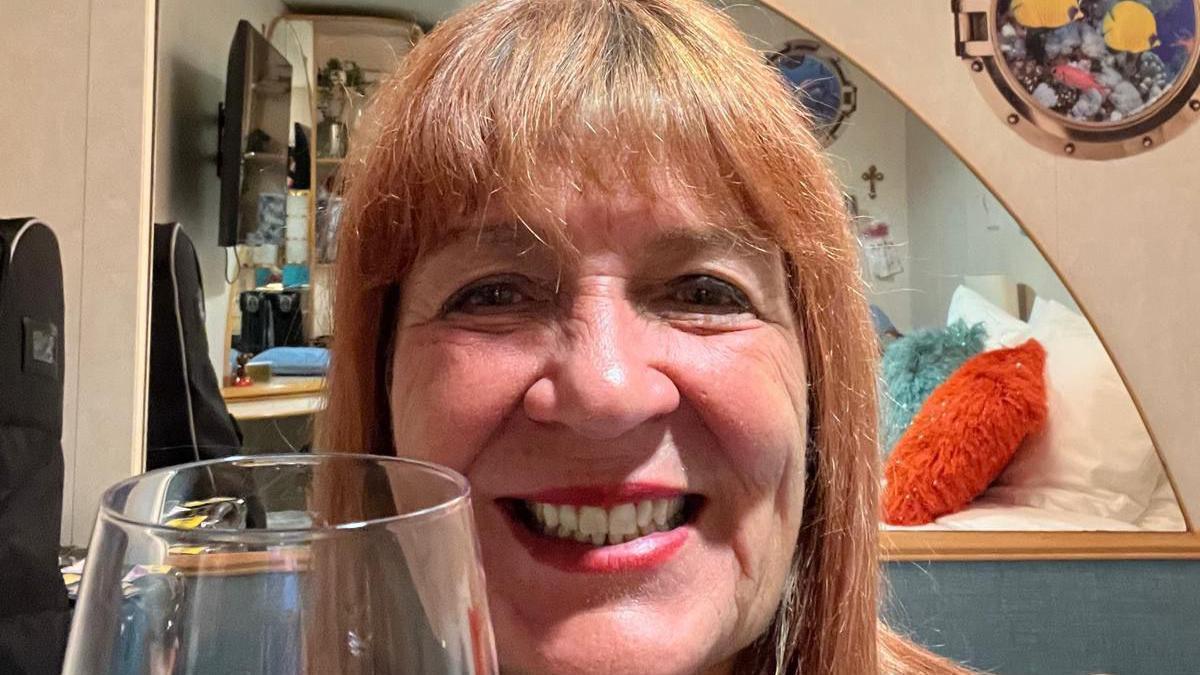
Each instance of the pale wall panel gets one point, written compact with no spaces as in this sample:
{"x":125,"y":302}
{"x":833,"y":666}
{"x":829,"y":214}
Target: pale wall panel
{"x":43,"y":121}
{"x":115,"y":265}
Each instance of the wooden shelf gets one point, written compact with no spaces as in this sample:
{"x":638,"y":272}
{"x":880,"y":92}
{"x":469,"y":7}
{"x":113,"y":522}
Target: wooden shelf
{"x":929,"y":546}
{"x":280,"y":385}
{"x":282,"y":396}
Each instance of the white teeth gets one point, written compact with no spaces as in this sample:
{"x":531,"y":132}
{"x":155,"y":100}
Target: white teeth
{"x":622,"y":522}
{"x":550,"y":517}
{"x":645,"y":512}
{"x":617,"y":525}
{"x":593,"y":521}
{"x":567,"y":518}
{"x":660,"y":511}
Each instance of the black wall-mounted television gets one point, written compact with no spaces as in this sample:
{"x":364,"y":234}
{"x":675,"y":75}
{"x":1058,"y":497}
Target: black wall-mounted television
{"x":252,"y":154}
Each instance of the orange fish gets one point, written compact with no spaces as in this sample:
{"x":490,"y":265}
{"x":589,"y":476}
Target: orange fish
{"x":1187,"y":42}
{"x":1078,"y":78}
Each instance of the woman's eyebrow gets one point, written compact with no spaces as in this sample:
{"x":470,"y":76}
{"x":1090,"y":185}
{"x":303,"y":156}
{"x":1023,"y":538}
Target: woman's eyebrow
{"x":677,"y":242}
{"x":671,"y":242}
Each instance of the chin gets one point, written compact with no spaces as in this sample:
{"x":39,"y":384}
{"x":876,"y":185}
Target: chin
{"x":612,"y":641}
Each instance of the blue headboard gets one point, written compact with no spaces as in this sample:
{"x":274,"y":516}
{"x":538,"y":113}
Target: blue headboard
{"x":1053,"y":617}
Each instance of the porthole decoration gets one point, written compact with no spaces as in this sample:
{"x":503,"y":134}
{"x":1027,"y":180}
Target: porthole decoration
{"x":820,"y":84}
{"x":1095,"y":79}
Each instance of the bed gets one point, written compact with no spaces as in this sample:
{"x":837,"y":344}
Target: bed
{"x":1093,"y":467}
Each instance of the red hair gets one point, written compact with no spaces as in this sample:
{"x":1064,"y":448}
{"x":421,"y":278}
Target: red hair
{"x":509,"y":95}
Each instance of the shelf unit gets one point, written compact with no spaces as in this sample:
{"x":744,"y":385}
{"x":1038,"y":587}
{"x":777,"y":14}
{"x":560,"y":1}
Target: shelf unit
{"x":309,"y":41}
{"x":377,"y":45}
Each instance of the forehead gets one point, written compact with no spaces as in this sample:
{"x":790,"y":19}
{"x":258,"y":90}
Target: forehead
{"x":570,"y":221}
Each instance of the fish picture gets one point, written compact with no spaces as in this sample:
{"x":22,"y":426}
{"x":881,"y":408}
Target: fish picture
{"x":1046,"y":13}
{"x":1130,"y":26}
{"x":1096,"y":61}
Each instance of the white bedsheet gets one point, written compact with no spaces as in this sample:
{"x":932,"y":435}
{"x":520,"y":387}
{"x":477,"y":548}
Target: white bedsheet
{"x":994,"y":511}
{"x":1164,"y":514}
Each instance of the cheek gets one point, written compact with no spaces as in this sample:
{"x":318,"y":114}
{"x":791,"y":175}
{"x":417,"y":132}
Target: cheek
{"x":451,"y":392}
{"x":749,"y":388}
{"x":750,"y":391}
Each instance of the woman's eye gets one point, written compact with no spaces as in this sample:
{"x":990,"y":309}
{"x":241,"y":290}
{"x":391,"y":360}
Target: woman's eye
{"x":488,"y":296}
{"x":709,"y":294}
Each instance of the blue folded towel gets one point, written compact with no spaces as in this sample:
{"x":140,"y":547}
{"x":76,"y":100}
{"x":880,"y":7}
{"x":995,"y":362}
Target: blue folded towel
{"x":295,"y":360}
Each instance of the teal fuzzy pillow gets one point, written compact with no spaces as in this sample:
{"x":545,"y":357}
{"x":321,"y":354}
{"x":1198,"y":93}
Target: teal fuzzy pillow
{"x":915,"y":365}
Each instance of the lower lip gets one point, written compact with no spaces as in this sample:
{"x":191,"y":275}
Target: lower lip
{"x":641,"y":554}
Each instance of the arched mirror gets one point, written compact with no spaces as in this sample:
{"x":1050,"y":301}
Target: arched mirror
{"x":1001,"y":410}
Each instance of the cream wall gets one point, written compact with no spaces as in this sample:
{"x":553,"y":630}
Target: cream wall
{"x":193,"y":48}
{"x":875,"y":135}
{"x":1124,"y":233}
{"x":74,"y":120}
{"x":958,"y":227}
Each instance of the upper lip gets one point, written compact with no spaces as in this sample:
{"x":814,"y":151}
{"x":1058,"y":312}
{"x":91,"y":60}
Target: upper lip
{"x":602,"y":495}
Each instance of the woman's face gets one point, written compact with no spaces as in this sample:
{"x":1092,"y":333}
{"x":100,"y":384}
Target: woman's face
{"x":632,"y":421}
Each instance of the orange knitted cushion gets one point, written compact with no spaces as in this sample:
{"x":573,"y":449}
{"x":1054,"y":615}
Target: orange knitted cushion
{"x":965,"y":434}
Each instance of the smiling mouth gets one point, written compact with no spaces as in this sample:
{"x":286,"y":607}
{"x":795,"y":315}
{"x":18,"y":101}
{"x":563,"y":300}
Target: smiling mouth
{"x":604,"y":525}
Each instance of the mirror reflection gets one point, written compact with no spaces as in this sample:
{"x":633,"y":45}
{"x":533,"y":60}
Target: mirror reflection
{"x":254,"y":117}
{"x":999,"y":406}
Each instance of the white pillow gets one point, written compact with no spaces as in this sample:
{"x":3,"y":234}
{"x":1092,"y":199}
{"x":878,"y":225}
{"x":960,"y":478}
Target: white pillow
{"x":1094,"y":443}
{"x":1003,"y":329}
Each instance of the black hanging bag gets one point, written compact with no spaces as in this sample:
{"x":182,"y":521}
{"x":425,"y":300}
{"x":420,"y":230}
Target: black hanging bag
{"x":34,"y":615}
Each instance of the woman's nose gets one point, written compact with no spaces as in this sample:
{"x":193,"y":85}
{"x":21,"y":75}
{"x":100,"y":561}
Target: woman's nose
{"x":603,"y":382}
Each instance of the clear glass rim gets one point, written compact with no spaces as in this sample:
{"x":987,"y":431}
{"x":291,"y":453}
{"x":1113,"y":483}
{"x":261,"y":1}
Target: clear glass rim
{"x":108,"y":511}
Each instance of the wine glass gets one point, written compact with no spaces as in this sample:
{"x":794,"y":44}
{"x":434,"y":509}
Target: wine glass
{"x":323,"y":563}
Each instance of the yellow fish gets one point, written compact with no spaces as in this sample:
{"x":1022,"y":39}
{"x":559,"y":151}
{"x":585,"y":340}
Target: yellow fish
{"x":1046,"y":13}
{"x":1130,"y":27}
